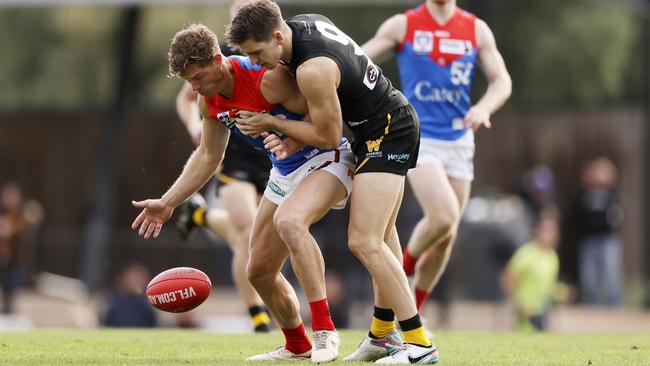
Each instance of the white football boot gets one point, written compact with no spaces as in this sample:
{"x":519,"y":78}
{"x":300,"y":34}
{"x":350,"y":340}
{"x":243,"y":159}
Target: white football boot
{"x":372,"y":349}
{"x":326,"y":346}
{"x":410,"y":354}
{"x":280,"y":354}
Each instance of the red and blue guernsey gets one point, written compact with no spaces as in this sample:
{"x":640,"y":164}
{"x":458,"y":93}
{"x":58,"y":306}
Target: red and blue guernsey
{"x":248,"y":96}
{"x":436,"y":64}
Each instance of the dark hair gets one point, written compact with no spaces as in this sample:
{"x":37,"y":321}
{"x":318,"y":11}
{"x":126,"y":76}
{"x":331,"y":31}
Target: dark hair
{"x":254,"y":20}
{"x":195,"y":44}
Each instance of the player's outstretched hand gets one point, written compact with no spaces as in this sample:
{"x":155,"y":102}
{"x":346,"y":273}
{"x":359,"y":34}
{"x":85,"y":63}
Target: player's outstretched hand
{"x":476,"y":117}
{"x":151,"y":219}
{"x":274,"y":144}
{"x":253,"y":123}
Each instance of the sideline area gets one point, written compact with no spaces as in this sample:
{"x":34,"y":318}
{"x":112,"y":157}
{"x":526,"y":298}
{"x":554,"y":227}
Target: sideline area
{"x":222,"y":313}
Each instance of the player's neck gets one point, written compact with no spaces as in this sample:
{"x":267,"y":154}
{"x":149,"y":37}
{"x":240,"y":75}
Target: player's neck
{"x":441,"y":12}
{"x":287,"y":47}
{"x":228,"y":79}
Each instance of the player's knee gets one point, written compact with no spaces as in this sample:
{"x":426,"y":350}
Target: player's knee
{"x":441,"y":226}
{"x":243,"y":230}
{"x":363,"y":247}
{"x":289,"y":226}
{"x":258,"y":272}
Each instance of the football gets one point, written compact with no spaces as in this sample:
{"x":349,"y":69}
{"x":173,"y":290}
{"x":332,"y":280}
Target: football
{"x":178,"y":289}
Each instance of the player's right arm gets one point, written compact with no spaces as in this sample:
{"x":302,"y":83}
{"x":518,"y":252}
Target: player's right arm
{"x":202,"y":163}
{"x":318,"y":80}
{"x":197,"y":171}
{"x":187,"y":110}
{"x":383,"y":44}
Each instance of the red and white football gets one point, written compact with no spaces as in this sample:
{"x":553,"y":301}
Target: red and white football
{"x":179,"y":289}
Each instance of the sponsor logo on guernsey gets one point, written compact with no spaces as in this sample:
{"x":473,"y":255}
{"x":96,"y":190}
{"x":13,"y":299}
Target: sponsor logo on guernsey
{"x":441,"y":34}
{"x":226,"y":118}
{"x":172,"y":296}
{"x":371,"y":76}
{"x":275,"y":188}
{"x":426,"y":92}
{"x":399,"y":158}
{"x":422,"y":41}
{"x":455,"y":47}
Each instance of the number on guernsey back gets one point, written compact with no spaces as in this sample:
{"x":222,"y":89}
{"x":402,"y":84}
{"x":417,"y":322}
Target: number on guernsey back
{"x":330,"y":31}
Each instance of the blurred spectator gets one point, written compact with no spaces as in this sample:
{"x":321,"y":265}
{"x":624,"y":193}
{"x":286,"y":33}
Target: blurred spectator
{"x":537,"y":189}
{"x":530,"y":277}
{"x":18,"y":223}
{"x":495,"y":224}
{"x":596,"y":216}
{"x":127,"y":305}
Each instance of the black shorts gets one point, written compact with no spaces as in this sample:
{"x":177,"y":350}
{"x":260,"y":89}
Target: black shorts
{"x":395,"y":148}
{"x":242,"y":163}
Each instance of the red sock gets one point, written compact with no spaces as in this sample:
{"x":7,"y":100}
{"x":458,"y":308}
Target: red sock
{"x":420,"y":297}
{"x":296,"y":339}
{"x":320,"y":316}
{"x":409,"y":263}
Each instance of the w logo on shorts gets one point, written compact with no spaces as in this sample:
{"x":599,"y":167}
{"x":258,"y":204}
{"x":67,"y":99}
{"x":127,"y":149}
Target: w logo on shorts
{"x":373,"y":145}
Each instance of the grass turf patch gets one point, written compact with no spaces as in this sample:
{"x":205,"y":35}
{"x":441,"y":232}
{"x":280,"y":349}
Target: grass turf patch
{"x":190,"y":347}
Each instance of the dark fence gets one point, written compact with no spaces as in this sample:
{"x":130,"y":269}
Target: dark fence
{"x":54,"y":157}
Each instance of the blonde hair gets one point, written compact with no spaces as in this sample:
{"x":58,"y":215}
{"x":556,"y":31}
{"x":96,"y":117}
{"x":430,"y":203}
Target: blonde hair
{"x":195,"y":44}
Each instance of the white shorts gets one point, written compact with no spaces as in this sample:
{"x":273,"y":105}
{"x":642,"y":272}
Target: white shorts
{"x":457,"y":157}
{"x":280,"y":186}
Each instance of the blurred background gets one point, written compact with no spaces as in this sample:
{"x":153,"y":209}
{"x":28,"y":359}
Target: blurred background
{"x":87,"y":123}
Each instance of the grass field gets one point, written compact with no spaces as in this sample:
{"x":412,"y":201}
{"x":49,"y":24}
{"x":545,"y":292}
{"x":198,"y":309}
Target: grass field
{"x":185,"y":347}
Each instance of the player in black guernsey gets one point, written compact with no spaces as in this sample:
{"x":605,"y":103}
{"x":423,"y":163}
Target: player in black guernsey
{"x":341,"y":84}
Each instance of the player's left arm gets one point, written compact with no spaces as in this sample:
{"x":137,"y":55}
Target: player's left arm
{"x":499,"y":82}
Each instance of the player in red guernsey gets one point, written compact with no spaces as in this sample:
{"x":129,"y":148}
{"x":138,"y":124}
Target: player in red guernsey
{"x":240,"y":182}
{"x":437,"y":46}
{"x":288,"y":208}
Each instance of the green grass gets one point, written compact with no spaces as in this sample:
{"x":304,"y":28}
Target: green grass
{"x":185,"y":347}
